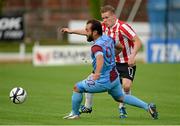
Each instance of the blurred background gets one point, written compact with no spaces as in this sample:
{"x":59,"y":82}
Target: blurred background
{"x":28,"y":29}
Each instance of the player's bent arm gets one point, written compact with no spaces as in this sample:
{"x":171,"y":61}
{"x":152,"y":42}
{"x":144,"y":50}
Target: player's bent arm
{"x":99,"y":65}
{"x":74,"y":31}
{"x":118,"y":48}
{"x":137,"y":45}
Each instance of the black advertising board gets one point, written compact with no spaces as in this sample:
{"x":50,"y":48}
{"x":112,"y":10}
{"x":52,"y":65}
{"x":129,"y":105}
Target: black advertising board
{"x":11,"y":28}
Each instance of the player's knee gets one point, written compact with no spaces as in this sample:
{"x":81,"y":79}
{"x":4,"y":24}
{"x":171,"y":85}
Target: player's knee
{"x":75,"y":88}
{"x":127,"y":89}
{"x":118,"y":98}
{"x":78,"y":87}
{"x":127,"y":85}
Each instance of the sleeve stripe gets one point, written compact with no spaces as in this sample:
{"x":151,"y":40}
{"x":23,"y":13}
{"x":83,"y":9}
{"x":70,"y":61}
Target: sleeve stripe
{"x":98,"y":53}
{"x":131,"y":32}
{"x":96,"y":48}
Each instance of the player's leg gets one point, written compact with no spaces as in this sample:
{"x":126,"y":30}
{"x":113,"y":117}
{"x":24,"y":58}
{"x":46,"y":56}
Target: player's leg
{"x":81,"y":87}
{"x":127,"y":78}
{"x":97,"y":87}
{"x":77,"y":96}
{"x":76,"y":100}
{"x":87,"y":107}
{"x":132,"y":100}
{"x":126,"y":74}
{"x":123,"y":73}
{"x":126,"y":87}
{"x":89,"y":100}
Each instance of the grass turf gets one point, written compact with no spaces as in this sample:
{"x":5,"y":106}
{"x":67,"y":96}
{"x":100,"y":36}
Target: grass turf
{"x":50,"y":88}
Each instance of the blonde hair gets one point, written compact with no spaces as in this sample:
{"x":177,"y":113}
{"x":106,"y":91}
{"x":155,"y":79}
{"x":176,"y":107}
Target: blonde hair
{"x":107,"y":8}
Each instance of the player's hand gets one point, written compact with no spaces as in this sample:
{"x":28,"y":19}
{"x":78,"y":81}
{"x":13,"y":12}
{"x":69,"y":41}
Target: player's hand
{"x":131,"y":61}
{"x":95,"y":76}
{"x":65,"y":30}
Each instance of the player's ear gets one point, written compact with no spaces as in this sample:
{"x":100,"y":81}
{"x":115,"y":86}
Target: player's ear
{"x":95,"y":32}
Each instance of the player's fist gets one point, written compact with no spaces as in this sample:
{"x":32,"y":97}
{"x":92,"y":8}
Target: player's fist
{"x":65,"y":30}
{"x":131,"y":61}
{"x":96,"y":76}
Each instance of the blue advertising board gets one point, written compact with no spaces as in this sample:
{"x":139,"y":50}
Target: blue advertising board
{"x":159,"y":51}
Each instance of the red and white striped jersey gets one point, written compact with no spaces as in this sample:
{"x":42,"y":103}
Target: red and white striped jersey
{"x":123,"y":33}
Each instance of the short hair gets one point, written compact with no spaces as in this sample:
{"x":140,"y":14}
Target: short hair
{"x":96,"y":26}
{"x":107,"y":8}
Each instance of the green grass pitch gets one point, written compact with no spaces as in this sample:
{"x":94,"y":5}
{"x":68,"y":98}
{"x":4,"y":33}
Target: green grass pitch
{"x":50,"y":88}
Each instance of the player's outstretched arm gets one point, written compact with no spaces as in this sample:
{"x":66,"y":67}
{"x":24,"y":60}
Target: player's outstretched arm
{"x":74,"y":31}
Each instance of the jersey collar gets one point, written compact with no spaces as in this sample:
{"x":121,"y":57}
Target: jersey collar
{"x":114,"y":24}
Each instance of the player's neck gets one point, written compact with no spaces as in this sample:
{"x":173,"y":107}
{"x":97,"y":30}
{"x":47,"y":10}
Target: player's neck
{"x":96,"y":37}
{"x":113,"y":23}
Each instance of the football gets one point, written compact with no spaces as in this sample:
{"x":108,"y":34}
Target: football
{"x":17,"y":95}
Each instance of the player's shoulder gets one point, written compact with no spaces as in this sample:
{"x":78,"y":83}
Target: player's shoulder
{"x":103,"y":39}
{"x":106,"y":37}
{"x":123,"y":23}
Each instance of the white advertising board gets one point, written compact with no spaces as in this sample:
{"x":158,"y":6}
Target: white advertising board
{"x":60,"y":55}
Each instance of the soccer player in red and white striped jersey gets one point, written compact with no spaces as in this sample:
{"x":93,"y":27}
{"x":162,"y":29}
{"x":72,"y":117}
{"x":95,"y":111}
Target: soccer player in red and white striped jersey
{"x":125,"y":61}
{"x":122,"y":33}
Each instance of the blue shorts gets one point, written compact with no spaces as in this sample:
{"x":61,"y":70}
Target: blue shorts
{"x":113,"y":88}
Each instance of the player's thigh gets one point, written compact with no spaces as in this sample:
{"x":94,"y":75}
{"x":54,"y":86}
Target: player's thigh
{"x":126,"y":71}
{"x":116,"y":90}
{"x":90,"y":86}
{"x":126,"y":82}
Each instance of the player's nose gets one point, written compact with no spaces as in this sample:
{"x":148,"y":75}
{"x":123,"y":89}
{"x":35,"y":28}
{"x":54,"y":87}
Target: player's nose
{"x":104,"y":20}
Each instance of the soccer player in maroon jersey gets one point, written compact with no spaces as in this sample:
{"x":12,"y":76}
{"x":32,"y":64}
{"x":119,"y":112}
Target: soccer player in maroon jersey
{"x":104,"y":77}
{"x":125,"y":61}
